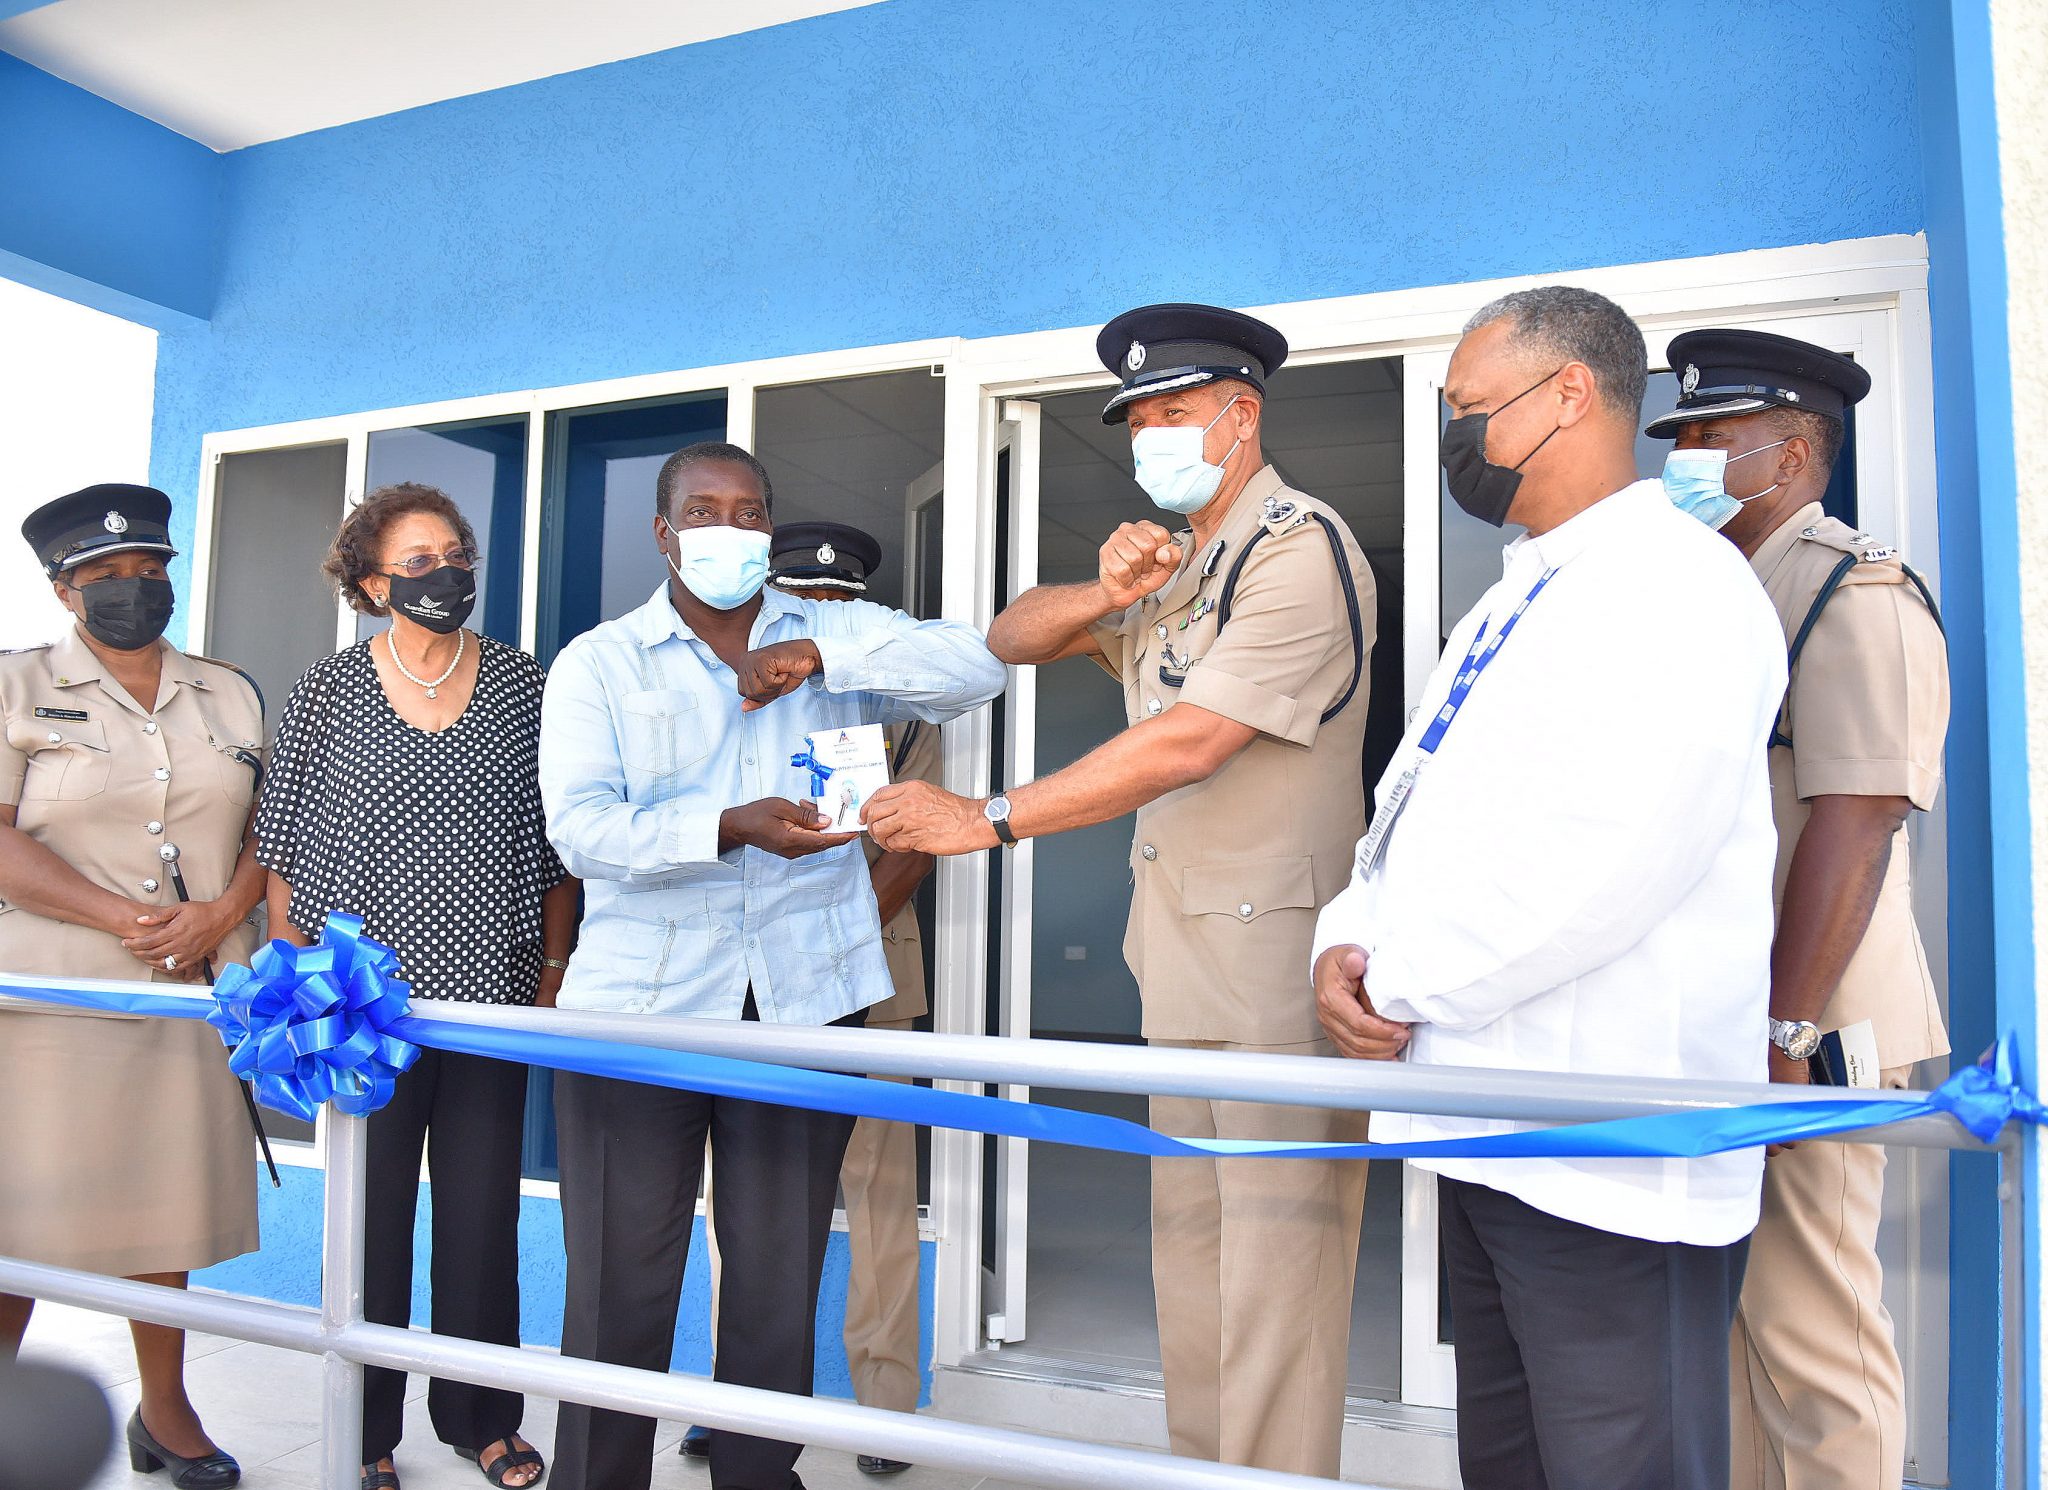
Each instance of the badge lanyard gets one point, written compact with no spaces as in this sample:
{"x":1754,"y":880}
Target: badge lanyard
{"x":1478,"y":658}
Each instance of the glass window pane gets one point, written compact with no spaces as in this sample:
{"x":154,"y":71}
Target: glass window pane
{"x":482,"y":467}
{"x":598,"y":555}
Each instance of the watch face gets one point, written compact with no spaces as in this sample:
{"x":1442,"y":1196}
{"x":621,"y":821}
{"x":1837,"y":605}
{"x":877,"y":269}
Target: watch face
{"x":997,"y":810}
{"x":1801,"y":1039}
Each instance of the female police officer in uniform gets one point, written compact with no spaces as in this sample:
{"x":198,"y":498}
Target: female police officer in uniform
{"x":127,"y":1148}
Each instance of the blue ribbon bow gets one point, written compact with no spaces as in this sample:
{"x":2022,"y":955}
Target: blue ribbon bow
{"x":311,"y":1024}
{"x":804,"y":760}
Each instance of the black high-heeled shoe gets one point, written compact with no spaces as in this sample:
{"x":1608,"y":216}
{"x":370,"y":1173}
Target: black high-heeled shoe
{"x":216,"y":1471}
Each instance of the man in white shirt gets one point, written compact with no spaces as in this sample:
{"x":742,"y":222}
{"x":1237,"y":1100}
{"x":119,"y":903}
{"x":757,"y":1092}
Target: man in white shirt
{"x":1570,"y":870}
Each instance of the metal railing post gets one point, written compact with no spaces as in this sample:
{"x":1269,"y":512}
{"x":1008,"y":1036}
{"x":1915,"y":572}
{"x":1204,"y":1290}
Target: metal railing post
{"x":2012,"y":1151}
{"x":344,"y":1151}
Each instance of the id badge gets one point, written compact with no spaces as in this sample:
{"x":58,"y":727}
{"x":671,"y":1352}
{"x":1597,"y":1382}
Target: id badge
{"x":1374,"y":844}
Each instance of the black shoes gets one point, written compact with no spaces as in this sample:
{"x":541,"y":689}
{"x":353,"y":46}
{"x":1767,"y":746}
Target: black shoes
{"x":696,"y":1444}
{"x":874,"y":1464}
{"x":216,"y":1471}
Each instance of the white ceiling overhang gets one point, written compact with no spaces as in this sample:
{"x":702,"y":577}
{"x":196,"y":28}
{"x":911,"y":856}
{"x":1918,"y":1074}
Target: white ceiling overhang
{"x":231,"y":73}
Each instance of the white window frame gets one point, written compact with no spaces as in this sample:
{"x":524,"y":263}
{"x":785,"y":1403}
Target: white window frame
{"x":1886,"y":275}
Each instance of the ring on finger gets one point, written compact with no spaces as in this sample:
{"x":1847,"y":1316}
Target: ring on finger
{"x":170,"y":962}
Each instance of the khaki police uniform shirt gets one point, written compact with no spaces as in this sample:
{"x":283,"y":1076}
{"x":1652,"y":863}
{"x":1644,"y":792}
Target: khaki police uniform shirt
{"x":1867,"y":711}
{"x":913,"y":756}
{"x":1228,"y":873}
{"x":104,"y":784}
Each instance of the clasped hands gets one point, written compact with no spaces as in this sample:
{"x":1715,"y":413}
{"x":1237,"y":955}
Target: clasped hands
{"x":1346,"y":1011}
{"x":186,"y":934}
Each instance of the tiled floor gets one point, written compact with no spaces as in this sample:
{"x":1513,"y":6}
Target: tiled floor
{"x":263,"y":1406}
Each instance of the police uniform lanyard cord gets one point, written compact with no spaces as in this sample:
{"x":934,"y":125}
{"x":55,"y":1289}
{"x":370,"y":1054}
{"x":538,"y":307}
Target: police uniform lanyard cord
{"x":1478,"y":657}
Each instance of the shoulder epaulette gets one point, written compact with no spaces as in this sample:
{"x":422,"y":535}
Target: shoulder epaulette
{"x":19,"y":651}
{"x":262,"y":707}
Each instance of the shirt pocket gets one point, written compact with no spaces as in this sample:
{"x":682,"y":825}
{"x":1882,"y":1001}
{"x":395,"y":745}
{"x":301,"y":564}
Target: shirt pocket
{"x":1254,"y":919}
{"x":68,"y":760}
{"x":831,"y":903}
{"x":662,"y":732}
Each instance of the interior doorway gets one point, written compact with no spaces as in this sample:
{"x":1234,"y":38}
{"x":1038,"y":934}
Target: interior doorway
{"x":1333,"y":430}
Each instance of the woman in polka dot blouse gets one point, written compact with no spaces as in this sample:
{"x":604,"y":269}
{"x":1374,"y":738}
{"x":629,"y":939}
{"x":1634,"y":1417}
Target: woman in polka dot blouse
{"x":403,"y":788}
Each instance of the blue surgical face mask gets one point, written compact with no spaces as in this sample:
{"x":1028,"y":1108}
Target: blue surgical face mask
{"x":1167,"y":461}
{"x":1693,"y":482}
{"x":723,"y":567}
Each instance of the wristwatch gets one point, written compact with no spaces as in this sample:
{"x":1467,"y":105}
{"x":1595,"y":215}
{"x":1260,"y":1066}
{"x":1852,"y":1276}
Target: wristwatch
{"x":1798,"y":1038}
{"x":997,"y":811}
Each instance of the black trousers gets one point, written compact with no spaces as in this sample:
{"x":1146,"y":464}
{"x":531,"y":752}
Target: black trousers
{"x":1586,"y":1360}
{"x":631,"y":1160}
{"x":468,"y":1113}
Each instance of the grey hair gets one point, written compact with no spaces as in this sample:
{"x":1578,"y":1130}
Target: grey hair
{"x":1567,"y":324}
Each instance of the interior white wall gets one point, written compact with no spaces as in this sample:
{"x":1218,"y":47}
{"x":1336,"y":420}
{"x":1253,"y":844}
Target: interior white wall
{"x":76,"y":391}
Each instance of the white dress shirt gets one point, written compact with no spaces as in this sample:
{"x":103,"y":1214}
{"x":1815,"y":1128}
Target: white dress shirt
{"x":1581,"y":877}
{"x":643,"y":744}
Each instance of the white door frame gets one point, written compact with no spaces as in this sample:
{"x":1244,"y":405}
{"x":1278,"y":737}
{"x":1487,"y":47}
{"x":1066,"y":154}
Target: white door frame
{"x":1873,"y":289}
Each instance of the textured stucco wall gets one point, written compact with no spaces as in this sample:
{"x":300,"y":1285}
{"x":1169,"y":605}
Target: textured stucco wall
{"x":287,"y":1268}
{"x":931,"y":167}
{"x":2020,"y":59}
{"x":102,"y":205}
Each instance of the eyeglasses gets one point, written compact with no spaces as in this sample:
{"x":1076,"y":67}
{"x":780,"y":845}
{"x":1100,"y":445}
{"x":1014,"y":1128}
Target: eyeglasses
{"x":421,"y":565}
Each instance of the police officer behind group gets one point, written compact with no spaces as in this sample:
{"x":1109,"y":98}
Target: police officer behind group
{"x":128,"y":1149}
{"x":1817,"y":1389}
{"x":1242,"y":646}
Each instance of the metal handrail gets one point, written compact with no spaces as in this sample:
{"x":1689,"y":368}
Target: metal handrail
{"x":339,"y":1333}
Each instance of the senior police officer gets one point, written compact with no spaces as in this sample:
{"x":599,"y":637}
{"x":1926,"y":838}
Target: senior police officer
{"x":128,"y":1148}
{"x":1242,"y":645}
{"x":1817,"y":1387}
{"x":878,"y":1177}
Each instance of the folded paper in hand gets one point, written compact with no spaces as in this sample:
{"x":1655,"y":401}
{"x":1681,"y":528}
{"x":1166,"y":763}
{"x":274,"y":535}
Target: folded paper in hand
{"x":855,"y":765}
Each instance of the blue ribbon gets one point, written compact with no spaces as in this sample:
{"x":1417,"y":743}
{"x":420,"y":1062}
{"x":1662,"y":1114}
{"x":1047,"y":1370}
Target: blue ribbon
{"x":331,"y":1023}
{"x":804,"y":760}
{"x":312,"y":1024}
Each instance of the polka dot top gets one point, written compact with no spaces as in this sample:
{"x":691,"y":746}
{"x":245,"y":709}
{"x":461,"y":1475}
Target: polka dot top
{"x":434,"y":839}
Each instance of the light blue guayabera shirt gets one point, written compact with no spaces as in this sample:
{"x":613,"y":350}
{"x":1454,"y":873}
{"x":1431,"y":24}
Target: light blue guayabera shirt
{"x":643,"y":744}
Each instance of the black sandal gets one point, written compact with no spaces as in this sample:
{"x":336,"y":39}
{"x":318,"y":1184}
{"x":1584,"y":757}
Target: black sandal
{"x":506,"y":1462}
{"x":378,"y":1479}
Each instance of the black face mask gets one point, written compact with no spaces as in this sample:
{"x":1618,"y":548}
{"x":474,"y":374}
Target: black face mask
{"x":1478,"y":485}
{"x":440,"y":601}
{"x":128,"y":614}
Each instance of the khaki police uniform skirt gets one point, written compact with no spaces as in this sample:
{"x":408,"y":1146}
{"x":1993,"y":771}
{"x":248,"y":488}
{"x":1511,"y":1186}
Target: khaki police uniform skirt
{"x":124,"y":1148}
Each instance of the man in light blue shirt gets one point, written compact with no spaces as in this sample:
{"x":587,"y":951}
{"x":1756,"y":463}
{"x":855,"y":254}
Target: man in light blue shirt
{"x":666,"y":737}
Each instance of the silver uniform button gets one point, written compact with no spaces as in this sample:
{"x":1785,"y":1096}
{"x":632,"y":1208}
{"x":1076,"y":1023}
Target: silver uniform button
{"x":1245,"y":910}
{"x":1153,"y":706}
{"x":1809,"y":532}
{"x":1148,"y":853}
{"x":149,"y":727}
{"x":150,"y":886}
{"x":163,"y":773}
{"x":154,"y":827}
{"x":55,"y":738}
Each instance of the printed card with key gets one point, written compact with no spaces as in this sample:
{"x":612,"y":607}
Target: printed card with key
{"x":846,"y":766}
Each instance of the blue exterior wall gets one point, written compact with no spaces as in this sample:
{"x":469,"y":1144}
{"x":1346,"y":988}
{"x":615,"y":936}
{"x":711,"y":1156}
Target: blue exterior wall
{"x":102,"y":206}
{"x":288,"y":1269}
{"x":935,"y":167}
{"x":1991,"y":963}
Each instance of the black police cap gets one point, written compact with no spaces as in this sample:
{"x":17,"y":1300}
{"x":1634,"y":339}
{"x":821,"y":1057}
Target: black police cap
{"x":1724,"y":373}
{"x":824,"y":556}
{"x":1163,"y":348}
{"x":110,"y":518}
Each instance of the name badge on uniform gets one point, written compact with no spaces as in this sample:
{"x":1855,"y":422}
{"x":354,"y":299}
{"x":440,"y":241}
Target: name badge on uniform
{"x":1374,"y":844}
{"x":76,"y":716}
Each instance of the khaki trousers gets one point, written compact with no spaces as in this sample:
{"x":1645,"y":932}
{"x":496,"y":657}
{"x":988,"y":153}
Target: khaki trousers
{"x":879,"y":1182}
{"x":1817,"y":1391}
{"x":1252,"y":1265}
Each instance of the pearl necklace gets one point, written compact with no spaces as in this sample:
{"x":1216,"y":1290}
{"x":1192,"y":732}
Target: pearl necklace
{"x":433,"y":688}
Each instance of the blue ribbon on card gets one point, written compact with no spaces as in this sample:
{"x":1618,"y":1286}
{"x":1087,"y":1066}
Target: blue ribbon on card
{"x":804,"y":760}
{"x":331,"y":1022}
